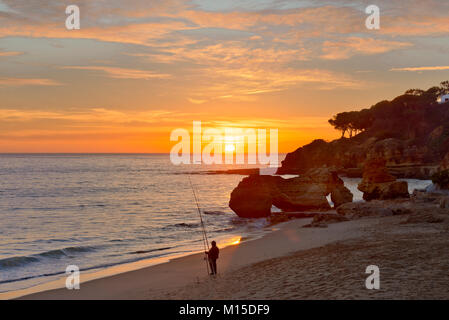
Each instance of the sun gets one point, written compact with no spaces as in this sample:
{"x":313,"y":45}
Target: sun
{"x":229,"y":148}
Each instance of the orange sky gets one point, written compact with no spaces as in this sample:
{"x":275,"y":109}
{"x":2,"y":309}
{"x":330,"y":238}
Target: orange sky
{"x":137,"y":69}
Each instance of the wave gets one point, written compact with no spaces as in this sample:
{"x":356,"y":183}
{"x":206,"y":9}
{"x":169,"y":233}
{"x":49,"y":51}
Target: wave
{"x":150,"y":250}
{"x":214,"y":212}
{"x":184,"y":225}
{"x":64,"y":252}
{"x":229,"y":229}
{"x":95,"y":267}
{"x":16,"y":262}
{"x":20,"y":261}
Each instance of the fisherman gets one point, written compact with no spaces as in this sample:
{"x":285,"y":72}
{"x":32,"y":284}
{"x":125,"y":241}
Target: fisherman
{"x":213,"y":256}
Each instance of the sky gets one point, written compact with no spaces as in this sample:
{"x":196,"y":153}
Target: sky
{"x":138,"y":69}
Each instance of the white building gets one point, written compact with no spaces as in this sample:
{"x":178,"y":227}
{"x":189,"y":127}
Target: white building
{"x":443,"y":98}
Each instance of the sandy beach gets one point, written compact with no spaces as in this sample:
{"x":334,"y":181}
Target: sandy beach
{"x":413,"y":262}
{"x":296,"y":263}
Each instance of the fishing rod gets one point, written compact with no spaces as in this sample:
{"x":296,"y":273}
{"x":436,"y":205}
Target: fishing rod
{"x":205,"y":240}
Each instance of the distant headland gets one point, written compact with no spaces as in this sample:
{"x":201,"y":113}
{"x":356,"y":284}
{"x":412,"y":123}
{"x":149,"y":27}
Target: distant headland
{"x":411,"y":132}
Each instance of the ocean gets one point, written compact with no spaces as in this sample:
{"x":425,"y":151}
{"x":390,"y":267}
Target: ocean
{"x":98,"y":211}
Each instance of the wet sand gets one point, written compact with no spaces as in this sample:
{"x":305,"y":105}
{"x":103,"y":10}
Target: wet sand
{"x":154,"y":281}
{"x":297,"y":263}
{"x":413,"y":260}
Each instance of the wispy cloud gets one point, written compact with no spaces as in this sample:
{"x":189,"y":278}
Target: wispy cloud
{"x":105,"y":119}
{"x":244,"y":83}
{"x":93,"y":115}
{"x":10,"y":53}
{"x":20,"y":82}
{"x":121,"y":73}
{"x":419,"y":69}
{"x":196,"y":101}
{"x":254,"y":50}
{"x":346,"y":48}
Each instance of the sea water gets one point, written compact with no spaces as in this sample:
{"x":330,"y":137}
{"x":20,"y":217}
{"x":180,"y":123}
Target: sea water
{"x":97,"y":211}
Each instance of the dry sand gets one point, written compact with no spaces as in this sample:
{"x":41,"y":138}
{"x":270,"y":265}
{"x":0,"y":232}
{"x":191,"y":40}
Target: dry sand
{"x":297,"y":263}
{"x":413,"y":262}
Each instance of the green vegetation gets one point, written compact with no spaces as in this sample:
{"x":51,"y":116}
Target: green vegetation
{"x":413,"y":129}
{"x":409,"y":116}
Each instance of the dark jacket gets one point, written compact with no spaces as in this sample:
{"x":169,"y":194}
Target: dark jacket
{"x":213,"y":253}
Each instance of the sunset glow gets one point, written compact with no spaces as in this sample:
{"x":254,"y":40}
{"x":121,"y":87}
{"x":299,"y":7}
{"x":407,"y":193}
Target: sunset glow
{"x":122,"y":83}
{"x":230,"y":158}
{"x":229,"y":148}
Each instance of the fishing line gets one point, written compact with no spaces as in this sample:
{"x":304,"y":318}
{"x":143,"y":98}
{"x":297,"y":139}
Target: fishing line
{"x":205,"y":239}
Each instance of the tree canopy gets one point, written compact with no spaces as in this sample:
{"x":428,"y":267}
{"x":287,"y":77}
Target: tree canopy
{"x":400,"y":116}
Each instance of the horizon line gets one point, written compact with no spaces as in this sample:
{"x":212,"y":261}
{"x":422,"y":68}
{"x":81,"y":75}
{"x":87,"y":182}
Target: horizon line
{"x":95,"y":153}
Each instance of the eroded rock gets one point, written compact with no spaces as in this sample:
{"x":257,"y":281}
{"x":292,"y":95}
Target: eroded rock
{"x":255,"y":195}
{"x":377,"y":183}
{"x":252,"y":198}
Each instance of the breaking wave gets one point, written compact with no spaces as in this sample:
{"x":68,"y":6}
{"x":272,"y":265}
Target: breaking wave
{"x":20,"y":261}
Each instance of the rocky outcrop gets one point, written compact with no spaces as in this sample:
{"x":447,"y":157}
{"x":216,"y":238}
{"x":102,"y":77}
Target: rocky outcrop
{"x":397,"y":152}
{"x":377,"y":183}
{"x":340,"y":195}
{"x":440,"y":179}
{"x":348,"y":155}
{"x":364,"y":209}
{"x":423,"y":196}
{"x":255,"y":195}
{"x":444,"y":165}
{"x":410,"y":132}
{"x":423,"y":172}
{"x":384,"y":208}
{"x":309,"y":191}
{"x":342,"y":153}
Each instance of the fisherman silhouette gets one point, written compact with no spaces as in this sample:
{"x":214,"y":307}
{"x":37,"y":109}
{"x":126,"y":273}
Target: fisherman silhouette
{"x":212,"y":254}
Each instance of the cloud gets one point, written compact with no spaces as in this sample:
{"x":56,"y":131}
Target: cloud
{"x":239,"y":70}
{"x":235,"y":52}
{"x":346,"y":48}
{"x":92,"y":116}
{"x":20,"y":82}
{"x":121,"y":73}
{"x":154,"y":22}
{"x":196,"y":101}
{"x":419,"y":69}
{"x":290,"y":123}
{"x":101,"y":119}
{"x":10,"y":53}
{"x":232,"y":52}
{"x":246,"y":83}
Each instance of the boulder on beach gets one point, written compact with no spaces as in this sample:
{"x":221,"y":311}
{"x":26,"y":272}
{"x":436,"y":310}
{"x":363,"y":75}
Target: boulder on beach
{"x":377,"y":183}
{"x":254,"y":195}
{"x":341,"y":195}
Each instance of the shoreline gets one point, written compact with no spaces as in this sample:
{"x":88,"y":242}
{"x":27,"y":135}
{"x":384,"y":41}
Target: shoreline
{"x":397,"y":245}
{"x":58,"y":281}
{"x":153,"y":280}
